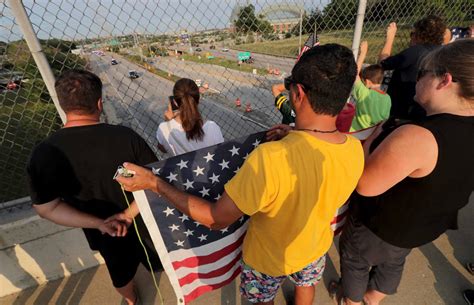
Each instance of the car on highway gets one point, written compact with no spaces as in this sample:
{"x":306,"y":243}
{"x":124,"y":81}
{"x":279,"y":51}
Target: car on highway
{"x":114,"y":62}
{"x":212,"y":47}
{"x":133,"y":74}
{"x":98,"y":52}
{"x":198,"y":49}
{"x":225,"y":50}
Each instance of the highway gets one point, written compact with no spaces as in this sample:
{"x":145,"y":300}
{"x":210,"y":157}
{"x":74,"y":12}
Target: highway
{"x":261,"y":61}
{"x":140,"y":103}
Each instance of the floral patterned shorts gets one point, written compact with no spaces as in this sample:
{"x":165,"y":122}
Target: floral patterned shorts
{"x":259,"y":287}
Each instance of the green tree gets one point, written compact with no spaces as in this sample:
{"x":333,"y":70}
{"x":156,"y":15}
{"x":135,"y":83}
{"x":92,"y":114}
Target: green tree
{"x":3,"y":47}
{"x":248,"y":22}
{"x":311,"y":22}
{"x":340,"y":14}
{"x":408,"y":10}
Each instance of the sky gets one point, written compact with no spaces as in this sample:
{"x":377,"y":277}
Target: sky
{"x":78,"y":19}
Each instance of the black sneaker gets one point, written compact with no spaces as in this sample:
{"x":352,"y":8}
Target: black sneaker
{"x":334,"y":289}
{"x":470,"y":268}
{"x":469,"y":296}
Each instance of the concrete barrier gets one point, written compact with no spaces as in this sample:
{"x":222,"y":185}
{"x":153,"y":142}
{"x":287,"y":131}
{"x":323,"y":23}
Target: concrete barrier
{"x":34,"y":251}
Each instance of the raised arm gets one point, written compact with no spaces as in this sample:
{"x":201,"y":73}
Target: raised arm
{"x":364,"y":46}
{"x":387,"y":48}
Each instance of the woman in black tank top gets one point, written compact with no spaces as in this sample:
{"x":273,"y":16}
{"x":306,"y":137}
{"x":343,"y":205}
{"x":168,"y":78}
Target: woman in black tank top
{"x":420,"y":168}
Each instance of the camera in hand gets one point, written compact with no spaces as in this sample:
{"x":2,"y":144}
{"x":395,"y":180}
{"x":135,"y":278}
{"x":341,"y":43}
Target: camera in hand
{"x":174,"y":105}
{"x":122,"y":171}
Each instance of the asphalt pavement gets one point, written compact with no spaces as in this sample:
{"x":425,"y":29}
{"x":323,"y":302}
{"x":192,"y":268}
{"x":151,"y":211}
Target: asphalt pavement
{"x":140,"y":103}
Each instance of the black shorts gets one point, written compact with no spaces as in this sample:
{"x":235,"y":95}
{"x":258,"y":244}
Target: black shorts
{"x":122,"y":256}
{"x":368,"y":262}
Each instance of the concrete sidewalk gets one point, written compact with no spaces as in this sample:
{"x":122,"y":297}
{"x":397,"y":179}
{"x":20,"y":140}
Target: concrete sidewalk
{"x":434,"y":274}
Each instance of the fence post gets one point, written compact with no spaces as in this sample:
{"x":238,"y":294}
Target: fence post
{"x":358,"y":27}
{"x":24,"y":23}
{"x":301,"y":30}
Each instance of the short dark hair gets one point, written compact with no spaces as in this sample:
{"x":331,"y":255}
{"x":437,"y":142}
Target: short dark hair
{"x":374,"y":73}
{"x":429,"y":30}
{"x":327,"y":72}
{"x":78,"y":91}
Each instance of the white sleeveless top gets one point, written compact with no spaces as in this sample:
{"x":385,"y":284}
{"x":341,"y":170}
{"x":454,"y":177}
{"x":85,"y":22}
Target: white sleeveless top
{"x":173,"y":137}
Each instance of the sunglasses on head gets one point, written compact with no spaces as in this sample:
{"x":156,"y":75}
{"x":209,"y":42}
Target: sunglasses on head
{"x":423,"y":72}
{"x":289,"y":80}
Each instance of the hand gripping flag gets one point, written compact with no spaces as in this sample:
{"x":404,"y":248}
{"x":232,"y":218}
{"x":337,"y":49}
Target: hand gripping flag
{"x":195,"y":258}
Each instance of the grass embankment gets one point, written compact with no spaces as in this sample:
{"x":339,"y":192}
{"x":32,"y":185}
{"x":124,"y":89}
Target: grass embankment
{"x":28,"y":115}
{"x":226,"y":63}
{"x":289,"y":47}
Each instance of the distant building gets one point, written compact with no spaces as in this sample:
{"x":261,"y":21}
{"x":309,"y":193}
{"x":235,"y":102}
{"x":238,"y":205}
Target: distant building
{"x":283,"y":17}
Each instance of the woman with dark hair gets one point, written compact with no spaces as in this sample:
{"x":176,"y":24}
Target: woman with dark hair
{"x":184,"y":129}
{"x":427,"y":34}
{"x":416,"y":178}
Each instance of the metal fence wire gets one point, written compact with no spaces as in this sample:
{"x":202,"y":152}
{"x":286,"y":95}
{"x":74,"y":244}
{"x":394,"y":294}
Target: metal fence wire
{"x":234,"y":50}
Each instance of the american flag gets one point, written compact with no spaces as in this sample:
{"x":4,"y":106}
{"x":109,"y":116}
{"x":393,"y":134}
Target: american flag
{"x":195,"y":258}
{"x":312,"y":41}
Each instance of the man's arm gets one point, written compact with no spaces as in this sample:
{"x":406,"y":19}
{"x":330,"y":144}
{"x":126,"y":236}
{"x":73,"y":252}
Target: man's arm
{"x":126,"y":215}
{"x":364,"y":46}
{"x":215,"y":216}
{"x":387,"y":48}
{"x":63,"y":214}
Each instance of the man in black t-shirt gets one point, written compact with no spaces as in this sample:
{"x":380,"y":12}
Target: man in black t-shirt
{"x":427,"y":34}
{"x":70,"y":175}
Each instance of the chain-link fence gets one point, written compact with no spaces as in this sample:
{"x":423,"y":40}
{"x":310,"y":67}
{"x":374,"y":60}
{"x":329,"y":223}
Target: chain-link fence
{"x":235,"y":50}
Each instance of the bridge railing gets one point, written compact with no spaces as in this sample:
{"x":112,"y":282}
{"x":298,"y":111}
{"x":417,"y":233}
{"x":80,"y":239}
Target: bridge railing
{"x":164,"y":41}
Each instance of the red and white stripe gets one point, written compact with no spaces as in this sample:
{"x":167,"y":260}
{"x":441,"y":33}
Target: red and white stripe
{"x":210,"y":266}
{"x":340,"y":218}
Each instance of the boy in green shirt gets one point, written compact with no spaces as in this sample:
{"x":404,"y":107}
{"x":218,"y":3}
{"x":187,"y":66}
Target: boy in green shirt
{"x":372,"y":104}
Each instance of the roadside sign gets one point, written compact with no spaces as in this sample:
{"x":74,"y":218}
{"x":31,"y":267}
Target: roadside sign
{"x":243,"y":56}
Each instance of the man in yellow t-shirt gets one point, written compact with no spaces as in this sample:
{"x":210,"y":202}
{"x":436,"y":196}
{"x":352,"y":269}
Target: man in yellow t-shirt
{"x":290,"y":188}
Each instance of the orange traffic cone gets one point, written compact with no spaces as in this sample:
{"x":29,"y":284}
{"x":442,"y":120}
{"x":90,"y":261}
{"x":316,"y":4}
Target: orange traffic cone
{"x":248,"y":107}
{"x":238,"y":103}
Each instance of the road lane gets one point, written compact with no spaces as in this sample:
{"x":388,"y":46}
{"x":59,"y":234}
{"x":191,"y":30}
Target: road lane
{"x":140,"y":103}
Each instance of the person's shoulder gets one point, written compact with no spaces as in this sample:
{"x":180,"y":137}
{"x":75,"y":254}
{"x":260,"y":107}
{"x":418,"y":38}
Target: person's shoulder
{"x":411,"y":137}
{"x":277,"y":147}
{"x":118,"y":129}
{"x":46,"y":149}
{"x":419,"y":49}
{"x":211,"y":125}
